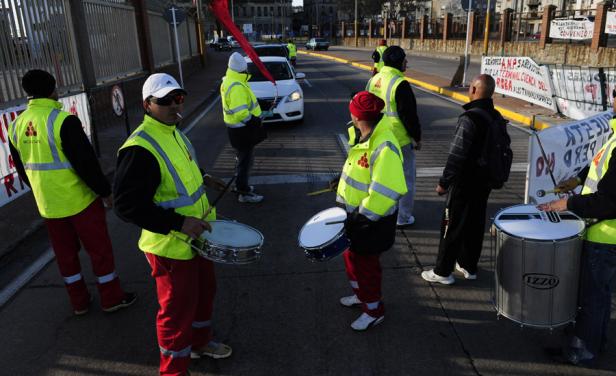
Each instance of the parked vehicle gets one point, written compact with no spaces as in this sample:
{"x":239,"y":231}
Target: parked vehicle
{"x":220,"y":44}
{"x":233,"y":42}
{"x":272,"y":50}
{"x":286,"y":99}
{"x":317,"y":44}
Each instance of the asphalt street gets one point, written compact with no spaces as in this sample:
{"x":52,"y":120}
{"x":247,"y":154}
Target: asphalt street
{"x":281,"y":315}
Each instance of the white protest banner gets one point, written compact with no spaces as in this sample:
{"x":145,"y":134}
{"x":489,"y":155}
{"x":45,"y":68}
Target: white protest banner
{"x":568,"y":149}
{"x":11,"y":185}
{"x":571,"y":29}
{"x":610,"y":23}
{"x":577,"y":91}
{"x":520,"y":77}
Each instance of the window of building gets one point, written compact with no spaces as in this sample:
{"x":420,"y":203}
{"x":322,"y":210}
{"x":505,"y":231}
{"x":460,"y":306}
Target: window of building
{"x":265,"y":13}
{"x":259,"y":11}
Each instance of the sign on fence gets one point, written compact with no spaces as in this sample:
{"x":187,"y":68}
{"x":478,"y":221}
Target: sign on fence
{"x":571,"y":29}
{"x":568,"y":149}
{"x":11,"y":186}
{"x":520,"y":77}
{"x":610,"y":23}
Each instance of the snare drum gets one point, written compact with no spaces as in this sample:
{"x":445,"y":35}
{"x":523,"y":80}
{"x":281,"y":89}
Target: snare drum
{"x":537,"y":266}
{"x":230,"y":242}
{"x":322,"y":237}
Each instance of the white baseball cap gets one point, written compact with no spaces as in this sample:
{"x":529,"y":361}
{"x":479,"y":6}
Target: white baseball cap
{"x":158,"y":85}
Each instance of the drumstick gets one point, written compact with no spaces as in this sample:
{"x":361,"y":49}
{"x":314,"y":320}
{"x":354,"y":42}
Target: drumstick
{"x":335,"y":222}
{"x":320,"y":191}
{"x":541,"y":192}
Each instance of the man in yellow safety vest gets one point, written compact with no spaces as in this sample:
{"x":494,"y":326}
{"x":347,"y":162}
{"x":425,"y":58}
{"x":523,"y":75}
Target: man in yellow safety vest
{"x":53,"y":155}
{"x":377,"y":56}
{"x":598,"y":274}
{"x":159,"y":187}
{"x":369,"y":188}
{"x":292,"y":51}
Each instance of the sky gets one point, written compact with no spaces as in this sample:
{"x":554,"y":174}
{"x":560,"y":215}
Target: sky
{"x":298,"y":3}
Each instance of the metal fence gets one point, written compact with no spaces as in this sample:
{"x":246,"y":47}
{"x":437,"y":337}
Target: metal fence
{"x":161,"y":39}
{"x":112,"y":30}
{"x":36,"y":34}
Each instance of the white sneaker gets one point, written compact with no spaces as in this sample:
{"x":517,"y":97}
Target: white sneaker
{"x":430,"y":276}
{"x":407,"y":223}
{"x":366,"y":321}
{"x":252,"y":198}
{"x":350,"y":301}
{"x":465,"y":272}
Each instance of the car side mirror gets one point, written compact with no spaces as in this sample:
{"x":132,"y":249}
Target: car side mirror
{"x":300,"y":75}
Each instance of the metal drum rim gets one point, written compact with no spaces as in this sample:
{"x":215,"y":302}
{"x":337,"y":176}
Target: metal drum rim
{"x":247,"y":248}
{"x":501,"y":313}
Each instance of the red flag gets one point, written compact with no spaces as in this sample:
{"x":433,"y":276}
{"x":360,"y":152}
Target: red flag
{"x":220,"y":8}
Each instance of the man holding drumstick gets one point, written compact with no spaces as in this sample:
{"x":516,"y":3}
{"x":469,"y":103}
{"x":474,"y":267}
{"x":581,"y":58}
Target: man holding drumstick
{"x":371,"y":184}
{"x":598,"y":274}
{"x":159,"y":187}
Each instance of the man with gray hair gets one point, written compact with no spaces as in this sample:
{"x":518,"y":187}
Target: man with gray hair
{"x":467,"y":185}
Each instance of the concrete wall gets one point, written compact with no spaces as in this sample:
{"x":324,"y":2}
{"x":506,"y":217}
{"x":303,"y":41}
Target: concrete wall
{"x":554,"y":53}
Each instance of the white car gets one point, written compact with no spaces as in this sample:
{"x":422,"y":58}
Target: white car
{"x":233,"y":42}
{"x":286,"y":99}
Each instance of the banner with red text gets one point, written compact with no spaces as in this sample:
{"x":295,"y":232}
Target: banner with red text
{"x":568,"y":149}
{"x":520,"y":77}
{"x":610,"y":23}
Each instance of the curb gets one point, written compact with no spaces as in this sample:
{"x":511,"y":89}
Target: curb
{"x":508,"y":114}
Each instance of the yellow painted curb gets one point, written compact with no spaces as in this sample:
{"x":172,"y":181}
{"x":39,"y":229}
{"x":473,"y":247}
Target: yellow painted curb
{"x":508,"y":114}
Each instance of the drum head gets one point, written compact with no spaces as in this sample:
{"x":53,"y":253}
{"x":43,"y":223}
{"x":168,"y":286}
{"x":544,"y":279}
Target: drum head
{"x":316,"y":233}
{"x":232,"y":235}
{"x":526,"y":221}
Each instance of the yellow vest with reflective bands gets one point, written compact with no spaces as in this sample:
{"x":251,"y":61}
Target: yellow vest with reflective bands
{"x":379,"y":65}
{"x":384,"y":85}
{"x":58,"y":190}
{"x":292,"y":50}
{"x":372,"y":178}
{"x":239,"y":103}
{"x":181,"y":184}
{"x":603,"y":231}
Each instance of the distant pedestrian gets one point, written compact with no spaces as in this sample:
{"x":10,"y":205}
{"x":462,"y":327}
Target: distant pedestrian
{"x":53,"y":156}
{"x":370,"y":186}
{"x":467,"y":186}
{"x":377,"y":56}
{"x":242,"y":116}
{"x":401,"y":114}
{"x":292,"y":51}
{"x":598,"y":272}
{"x":159,"y":187}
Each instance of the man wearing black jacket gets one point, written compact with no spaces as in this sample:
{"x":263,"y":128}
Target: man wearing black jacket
{"x":468,"y":189}
{"x":53,"y":156}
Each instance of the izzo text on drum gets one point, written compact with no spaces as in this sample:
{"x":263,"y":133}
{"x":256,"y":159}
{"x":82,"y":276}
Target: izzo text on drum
{"x":541,"y":281}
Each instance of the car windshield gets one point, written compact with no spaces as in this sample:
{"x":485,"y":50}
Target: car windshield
{"x":278,"y":69}
{"x":271,"y":51}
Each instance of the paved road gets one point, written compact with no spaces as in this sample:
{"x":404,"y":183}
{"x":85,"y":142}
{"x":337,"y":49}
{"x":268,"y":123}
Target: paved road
{"x":282,"y":315}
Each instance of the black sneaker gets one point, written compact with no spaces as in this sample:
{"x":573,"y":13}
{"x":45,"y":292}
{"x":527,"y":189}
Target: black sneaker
{"x":129,"y":299}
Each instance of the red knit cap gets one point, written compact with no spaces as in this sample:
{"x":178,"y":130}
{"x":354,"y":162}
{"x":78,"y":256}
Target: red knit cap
{"x":366,"y":106}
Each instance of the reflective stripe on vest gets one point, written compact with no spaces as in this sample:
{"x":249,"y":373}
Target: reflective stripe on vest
{"x":56,"y":164}
{"x":184,"y":198}
{"x":591,"y":183}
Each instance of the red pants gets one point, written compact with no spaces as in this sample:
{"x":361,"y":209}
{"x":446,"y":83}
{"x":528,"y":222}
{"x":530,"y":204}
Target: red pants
{"x":89,"y":227}
{"x":364,"y":272}
{"x":185,"y":290}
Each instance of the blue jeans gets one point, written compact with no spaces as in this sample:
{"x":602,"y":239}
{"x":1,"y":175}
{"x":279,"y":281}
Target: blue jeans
{"x":407,"y":202}
{"x":597,"y":280}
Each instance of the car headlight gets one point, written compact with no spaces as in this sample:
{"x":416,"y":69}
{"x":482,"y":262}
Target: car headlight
{"x":294,"y":96}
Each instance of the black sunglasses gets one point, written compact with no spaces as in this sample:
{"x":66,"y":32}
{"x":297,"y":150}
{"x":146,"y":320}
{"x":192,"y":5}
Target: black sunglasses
{"x":178,"y":98}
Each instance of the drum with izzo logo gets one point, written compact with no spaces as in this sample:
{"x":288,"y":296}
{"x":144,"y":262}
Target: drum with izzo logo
{"x":536,"y":258}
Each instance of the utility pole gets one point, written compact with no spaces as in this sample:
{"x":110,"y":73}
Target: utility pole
{"x":486,"y":34}
{"x":355,"y":29}
{"x":468,"y":38}
{"x":232,"y":12}
{"x":200,"y":31}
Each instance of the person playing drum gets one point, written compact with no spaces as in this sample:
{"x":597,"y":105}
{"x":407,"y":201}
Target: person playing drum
{"x":598,"y":274}
{"x":159,"y":187}
{"x":370,"y":186}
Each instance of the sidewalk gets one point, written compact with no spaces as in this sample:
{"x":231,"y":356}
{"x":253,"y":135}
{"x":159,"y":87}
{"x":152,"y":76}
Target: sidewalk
{"x":20,"y":218}
{"x":434,"y":73}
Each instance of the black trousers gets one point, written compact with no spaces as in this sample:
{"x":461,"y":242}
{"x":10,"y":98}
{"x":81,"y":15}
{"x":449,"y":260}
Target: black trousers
{"x":462,"y":229}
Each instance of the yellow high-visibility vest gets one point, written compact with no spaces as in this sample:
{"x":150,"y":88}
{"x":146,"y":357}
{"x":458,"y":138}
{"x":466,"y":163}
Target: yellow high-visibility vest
{"x":58,"y":190}
{"x":379,"y":65}
{"x":239,"y":103}
{"x":372,"y":179}
{"x":181,"y":185}
{"x":384,"y":85}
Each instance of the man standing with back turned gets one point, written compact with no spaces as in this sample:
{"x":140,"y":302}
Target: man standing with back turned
{"x":53,"y":156}
{"x":467,"y":186}
{"x":401,"y":115}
